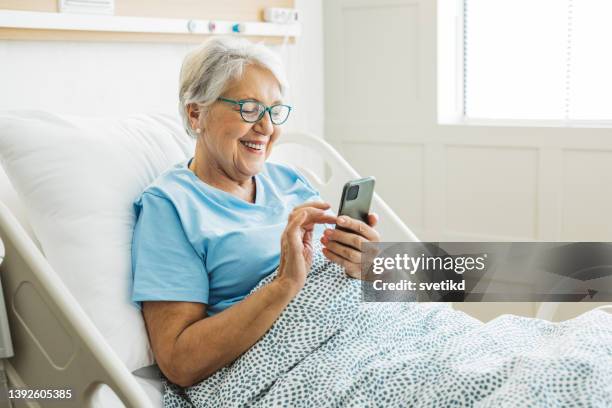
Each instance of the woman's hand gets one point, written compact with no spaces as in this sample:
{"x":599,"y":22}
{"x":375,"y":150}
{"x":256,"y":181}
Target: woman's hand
{"x":344,"y":248}
{"x":296,"y":242}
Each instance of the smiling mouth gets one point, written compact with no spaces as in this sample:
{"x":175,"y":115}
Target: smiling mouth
{"x":254,"y":147}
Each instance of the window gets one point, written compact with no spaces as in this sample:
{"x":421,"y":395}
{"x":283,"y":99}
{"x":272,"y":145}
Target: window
{"x":537,"y":60}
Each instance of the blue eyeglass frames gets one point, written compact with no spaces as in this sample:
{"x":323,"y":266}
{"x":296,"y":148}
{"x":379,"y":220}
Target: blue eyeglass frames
{"x":253,"y":111}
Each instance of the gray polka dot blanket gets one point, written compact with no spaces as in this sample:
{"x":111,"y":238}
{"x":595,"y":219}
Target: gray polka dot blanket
{"x":330,"y":349}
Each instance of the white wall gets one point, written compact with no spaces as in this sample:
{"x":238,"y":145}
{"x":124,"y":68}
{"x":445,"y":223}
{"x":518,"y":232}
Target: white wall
{"x":452,"y":181}
{"x":99,"y":79}
{"x":478,"y":183}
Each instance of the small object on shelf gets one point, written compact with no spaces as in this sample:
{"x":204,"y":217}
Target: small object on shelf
{"x":195,"y":26}
{"x":192,"y":26}
{"x":239,"y":28}
{"x":280,"y":15}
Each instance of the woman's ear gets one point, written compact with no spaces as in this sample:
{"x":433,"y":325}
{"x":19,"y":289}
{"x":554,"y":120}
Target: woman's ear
{"x":193,"y":113}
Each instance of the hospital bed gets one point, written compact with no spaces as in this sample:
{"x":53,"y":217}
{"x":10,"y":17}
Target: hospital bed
{"x":92,"y":369}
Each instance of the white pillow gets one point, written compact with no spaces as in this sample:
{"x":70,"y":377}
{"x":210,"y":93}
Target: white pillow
{"x":77,"y":178}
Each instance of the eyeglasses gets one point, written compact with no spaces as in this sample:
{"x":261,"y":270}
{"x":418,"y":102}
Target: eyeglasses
{"x":252,"y":111}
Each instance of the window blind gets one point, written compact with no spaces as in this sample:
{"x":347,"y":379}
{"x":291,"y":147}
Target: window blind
{"x":538,"y":59}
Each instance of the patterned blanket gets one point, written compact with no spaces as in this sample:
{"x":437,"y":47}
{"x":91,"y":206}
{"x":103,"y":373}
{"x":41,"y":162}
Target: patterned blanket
{"x":330,"y":349}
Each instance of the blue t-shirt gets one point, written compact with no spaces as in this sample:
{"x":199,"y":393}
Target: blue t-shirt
{"x":196,"y":243}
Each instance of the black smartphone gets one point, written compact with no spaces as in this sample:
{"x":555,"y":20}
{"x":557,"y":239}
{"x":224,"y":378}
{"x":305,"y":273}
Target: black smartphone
{"x":356,"y":199}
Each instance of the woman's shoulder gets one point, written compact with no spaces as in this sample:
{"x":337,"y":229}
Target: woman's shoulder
{"x":286,"y":176}
{"x":173,"y":183}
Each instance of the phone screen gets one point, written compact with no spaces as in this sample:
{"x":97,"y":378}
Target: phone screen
{"x":357,"y":198}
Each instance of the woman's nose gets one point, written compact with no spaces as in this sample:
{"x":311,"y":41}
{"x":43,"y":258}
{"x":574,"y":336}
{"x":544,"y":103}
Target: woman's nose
{"x":264,"y":126}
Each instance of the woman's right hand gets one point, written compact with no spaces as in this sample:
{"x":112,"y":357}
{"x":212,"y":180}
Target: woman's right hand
{"x":296,"y":242}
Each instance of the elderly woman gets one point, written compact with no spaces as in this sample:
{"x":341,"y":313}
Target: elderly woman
{"x":210,"y":228}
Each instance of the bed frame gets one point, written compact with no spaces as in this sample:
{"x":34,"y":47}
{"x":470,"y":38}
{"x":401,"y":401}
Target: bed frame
{"x":55,"y":343}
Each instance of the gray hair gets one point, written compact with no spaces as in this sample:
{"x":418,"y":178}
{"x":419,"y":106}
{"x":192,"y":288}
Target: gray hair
{"x":207,"y":70}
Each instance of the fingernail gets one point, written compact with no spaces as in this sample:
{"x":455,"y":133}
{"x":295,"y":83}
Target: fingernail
{"x":327,"y":232}
{"x":341,"y":220}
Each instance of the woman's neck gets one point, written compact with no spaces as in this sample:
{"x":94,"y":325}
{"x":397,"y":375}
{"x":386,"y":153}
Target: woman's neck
{"x":207,"y":170}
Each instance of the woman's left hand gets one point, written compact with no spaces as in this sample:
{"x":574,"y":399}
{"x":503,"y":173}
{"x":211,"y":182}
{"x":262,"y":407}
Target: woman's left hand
{"x":344,"y":248}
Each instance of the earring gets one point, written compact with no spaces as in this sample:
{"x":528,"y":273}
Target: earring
{"x":198,"y":130}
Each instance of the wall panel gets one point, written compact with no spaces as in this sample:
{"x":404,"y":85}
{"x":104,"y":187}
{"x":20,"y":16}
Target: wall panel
{"x":380,"y":78}
{"x":491,"y":191}
{"x":586,"y":199}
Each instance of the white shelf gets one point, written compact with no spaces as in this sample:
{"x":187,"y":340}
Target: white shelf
{"x":92,"y":22}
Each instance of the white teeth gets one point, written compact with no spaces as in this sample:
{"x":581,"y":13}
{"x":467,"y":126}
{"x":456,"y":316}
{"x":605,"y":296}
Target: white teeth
{"x":255,"y":146}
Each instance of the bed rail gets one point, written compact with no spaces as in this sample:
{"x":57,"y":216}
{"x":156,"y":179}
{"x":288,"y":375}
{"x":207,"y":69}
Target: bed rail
{"x":391,"y":227}
{"x":56,"y":345}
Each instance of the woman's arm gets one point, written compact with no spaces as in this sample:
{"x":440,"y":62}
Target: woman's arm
{"x":189,"y":346}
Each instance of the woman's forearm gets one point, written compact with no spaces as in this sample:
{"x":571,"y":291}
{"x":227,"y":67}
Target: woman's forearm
{"x":211,"y":343}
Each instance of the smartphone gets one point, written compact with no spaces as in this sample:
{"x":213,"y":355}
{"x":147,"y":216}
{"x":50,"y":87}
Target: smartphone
{"x":356,"y":199}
